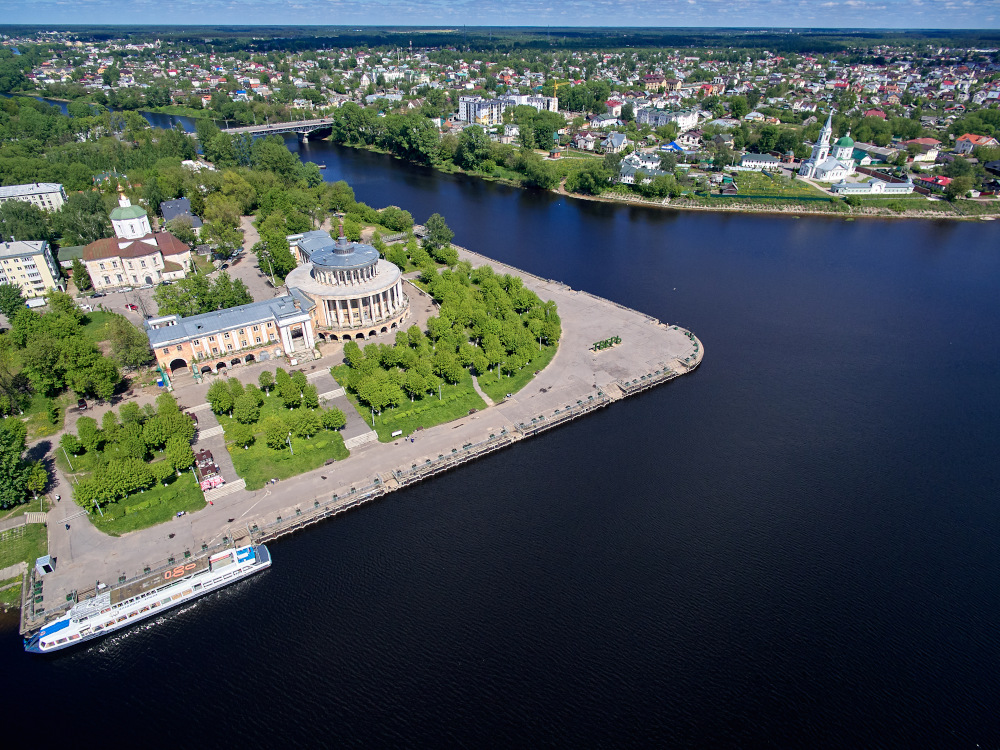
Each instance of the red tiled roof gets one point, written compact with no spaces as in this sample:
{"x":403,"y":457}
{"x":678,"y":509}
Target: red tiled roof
{"x":165,"y":242}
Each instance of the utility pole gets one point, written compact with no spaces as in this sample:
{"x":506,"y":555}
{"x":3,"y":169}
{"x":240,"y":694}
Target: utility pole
{"x":289,"y":441}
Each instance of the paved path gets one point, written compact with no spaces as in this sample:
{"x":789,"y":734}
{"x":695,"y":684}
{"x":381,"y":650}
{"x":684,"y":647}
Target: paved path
{"x":576,"y":372}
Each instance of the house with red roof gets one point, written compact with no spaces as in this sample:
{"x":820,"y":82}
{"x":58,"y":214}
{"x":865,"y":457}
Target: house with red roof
{"x":966,"y":143}
{"x":875,"y":113}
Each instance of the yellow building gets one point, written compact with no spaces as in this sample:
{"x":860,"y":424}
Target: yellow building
{"x":30,"y":265}
{"x":136,"y":255}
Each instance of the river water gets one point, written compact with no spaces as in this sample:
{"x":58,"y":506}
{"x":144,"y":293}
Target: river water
{"x":794,"y":546}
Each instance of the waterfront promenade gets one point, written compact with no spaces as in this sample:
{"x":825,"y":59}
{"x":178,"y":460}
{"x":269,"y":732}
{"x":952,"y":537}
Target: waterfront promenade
{"x":577,"y":381}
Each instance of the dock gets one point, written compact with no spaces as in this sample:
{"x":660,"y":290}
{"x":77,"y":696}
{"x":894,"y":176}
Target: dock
{"x":580,"y":380}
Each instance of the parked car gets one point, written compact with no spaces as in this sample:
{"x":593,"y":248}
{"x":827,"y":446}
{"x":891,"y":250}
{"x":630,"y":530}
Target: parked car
{"x":95,"y":295}
{"x":146,"y":286}
{"x":125,"y":289}
{"x":131,"y":307}
{"x":81,"y":404}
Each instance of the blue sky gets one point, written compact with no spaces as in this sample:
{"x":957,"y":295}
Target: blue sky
{"x":969,"y":14}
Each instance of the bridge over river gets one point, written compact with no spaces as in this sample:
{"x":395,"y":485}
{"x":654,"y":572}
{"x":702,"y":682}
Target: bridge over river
{"x":302,"y":128}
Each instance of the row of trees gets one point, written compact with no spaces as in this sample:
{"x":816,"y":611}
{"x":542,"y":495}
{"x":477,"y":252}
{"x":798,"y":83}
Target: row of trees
{"x":18,"y":476}
{"x":304,"y":417}
{"x":485,"y":322}
{"x":117,"y":452}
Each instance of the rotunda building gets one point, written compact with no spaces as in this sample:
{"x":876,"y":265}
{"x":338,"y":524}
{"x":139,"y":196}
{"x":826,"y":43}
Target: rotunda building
{"x":356,"y":293}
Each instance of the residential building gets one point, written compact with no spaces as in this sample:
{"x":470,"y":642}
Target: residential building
{"x":615,"y":143}
{"x":135,"y":255}
{"x":180,"y":209}
{"x":29,"y":264}
{"x":480,"y":111}
{"x":966,"y":143}
{"x":48,"y":196}
{"x":759,"y":161}
{"x":875,"y":187}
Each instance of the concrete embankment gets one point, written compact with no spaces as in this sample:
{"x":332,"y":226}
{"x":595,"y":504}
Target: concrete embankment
{"x":578,"y":381}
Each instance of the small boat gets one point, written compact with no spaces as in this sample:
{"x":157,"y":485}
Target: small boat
{"x":321,"y":166}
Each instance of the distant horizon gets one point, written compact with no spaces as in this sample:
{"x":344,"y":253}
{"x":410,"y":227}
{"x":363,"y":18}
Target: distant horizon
{"x":796,"y":15}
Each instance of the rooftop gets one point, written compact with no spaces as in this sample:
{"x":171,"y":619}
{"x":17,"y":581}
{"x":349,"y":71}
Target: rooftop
{"x":23,"y":247}
{"x":207,"y":324}
{"x":322,"y":250}
{"x":34,"y":188}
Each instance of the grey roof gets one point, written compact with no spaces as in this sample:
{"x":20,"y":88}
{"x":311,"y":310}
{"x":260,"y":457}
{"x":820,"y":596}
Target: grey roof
{"x":207,"y":324}
{"x":34,"y":188}
{"x":22,"y":247}
{"x":322,"y":250}
{"x":179,"y":208}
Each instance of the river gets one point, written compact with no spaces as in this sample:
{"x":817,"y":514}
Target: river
{"x":795,"y":546}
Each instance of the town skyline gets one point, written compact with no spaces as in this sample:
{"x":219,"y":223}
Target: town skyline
{"x":778,"y":14}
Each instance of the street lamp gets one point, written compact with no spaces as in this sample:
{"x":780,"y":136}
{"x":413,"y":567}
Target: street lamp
{"x":289,"y":441}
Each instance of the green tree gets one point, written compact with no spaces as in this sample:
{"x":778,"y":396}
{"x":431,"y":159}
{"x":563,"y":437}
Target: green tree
{"x":245,"y":409}
{"x":162,"y":471}
{"x":241,"y":434}
{"x":307,"y":423}
{"x":14,"y":475}
{"x":129,"y":346}
{"x":310,"y":397}
{"x":70,"y":443}
{"x":11,"y":299}
{"x":220,"y":397}
{"x":23,"y":221}
{"x":959,"y":187}
{"x":266,"y":381}
{"x":333,"y":418}
{"x":275,"y":432}
{"x":439,"y":233}
{"x":179,"y":453}
{"x":154,"y":432}
{"x":81,"y":277}
{"x":90,"y":435}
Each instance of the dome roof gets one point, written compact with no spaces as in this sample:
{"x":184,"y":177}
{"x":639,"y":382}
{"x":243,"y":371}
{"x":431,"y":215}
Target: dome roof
{"x":341,"y":253}
{"x":845,"y":142}
{"x":123,"y":213}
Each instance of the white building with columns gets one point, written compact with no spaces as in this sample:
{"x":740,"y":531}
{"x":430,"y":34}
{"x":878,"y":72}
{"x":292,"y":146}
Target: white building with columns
{"x":355,"y":293}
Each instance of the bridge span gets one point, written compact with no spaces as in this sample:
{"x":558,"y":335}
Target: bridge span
{"x":302,"y":128}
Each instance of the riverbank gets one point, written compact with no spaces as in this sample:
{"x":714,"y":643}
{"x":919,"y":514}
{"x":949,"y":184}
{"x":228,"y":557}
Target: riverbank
{"x":577,"y":382}
{"x":969,"y":209}
{"x":837,"y":209}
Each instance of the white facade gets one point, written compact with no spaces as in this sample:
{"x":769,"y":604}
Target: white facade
{"x":48,"y":196}
{"x":827,"y":166}
{"x":875,"y":187}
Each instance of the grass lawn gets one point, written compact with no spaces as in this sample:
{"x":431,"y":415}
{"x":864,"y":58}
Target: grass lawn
{"x":36,"y":416}
{"x":10,"y":597}
{"x":497,"y":385}
{"x":757,"y":183}
{"x":26,"y":547}
{"x":151,"y":507}
{"x":32,"y":506}
{"x":258,"y":463}
{"x":456,"y":402}
{"x":95,"y":323}
{"x":202,"y":263}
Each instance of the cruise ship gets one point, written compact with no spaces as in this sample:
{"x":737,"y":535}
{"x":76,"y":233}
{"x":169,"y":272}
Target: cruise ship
{"x":120,"y":607}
